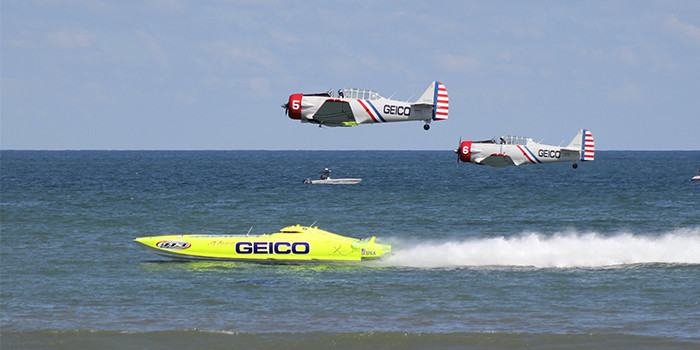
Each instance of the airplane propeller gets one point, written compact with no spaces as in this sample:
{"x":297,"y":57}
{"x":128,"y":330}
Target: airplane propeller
{"x":286,"y":108}
{"x":457,"y":150}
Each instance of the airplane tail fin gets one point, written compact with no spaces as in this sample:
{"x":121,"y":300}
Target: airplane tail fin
{"x":584,"y":141}
{"x":436,"y":96}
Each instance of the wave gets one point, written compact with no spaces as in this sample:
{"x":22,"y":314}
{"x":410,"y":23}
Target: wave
{"x":562,"y":250}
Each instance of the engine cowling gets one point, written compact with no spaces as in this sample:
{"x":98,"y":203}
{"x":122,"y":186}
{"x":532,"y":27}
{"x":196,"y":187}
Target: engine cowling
{"x":294,"y":106}
{"x":465,"y":151}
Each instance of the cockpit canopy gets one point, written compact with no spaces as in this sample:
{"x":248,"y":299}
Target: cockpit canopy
{"x":361,"y":94}
{"x":294,"y":229}
{"x":511,"y":140}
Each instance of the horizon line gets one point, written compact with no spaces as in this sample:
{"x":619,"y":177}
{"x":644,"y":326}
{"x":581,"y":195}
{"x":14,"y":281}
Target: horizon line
{"x":297,"y":150}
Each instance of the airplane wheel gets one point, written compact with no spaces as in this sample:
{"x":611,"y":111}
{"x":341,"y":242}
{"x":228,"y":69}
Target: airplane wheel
{"x":426,"y":127}
{"x":575,"y":165}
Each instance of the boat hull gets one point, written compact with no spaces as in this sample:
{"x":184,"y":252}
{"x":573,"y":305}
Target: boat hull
{"x":292,"y":244}
{"x":340,"y":181}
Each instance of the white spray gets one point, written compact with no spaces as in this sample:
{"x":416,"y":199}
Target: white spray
{"x":564,"y":250}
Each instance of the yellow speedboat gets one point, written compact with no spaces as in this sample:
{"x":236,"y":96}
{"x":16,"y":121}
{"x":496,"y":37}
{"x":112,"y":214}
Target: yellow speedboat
{"x":292,"y":244}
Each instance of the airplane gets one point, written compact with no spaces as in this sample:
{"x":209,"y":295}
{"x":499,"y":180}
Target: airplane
{"x":354,"y":107}
{"x":514,"y":150}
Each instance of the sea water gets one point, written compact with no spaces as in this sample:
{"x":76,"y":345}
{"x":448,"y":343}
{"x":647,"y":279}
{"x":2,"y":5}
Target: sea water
{"x":540,"y":256}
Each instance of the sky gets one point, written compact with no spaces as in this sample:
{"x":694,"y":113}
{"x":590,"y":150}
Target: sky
{"x":212,"y":75}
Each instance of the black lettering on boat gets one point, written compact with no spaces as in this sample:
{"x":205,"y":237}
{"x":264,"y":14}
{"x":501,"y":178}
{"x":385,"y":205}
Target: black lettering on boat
{"x":173,"y":245}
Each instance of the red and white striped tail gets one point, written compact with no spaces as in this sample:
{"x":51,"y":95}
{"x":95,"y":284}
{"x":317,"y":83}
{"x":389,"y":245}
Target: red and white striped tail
{"x":442,"y":102}
{"x":588,"y":146}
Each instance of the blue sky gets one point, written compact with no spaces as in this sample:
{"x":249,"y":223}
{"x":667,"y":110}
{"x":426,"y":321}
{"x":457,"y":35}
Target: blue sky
{"x":201,"y":75}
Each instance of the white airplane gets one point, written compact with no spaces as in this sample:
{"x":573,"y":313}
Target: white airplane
{"x":514,"y":150}
{"x":353,"y":107}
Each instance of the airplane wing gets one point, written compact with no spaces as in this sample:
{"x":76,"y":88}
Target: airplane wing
{"x":497,"y":160}
{"x":335,"y":113}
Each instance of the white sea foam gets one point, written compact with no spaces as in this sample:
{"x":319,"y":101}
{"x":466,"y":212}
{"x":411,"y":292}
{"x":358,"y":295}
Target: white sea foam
{"x":563,"y":250}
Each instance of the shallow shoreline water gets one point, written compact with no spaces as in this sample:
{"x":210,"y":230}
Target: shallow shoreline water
{"x":198,"y":339}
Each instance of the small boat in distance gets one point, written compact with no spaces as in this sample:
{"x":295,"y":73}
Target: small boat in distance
{"x":292,"y":244}
{"x":326,"y":179}
{"x":696,"y":177}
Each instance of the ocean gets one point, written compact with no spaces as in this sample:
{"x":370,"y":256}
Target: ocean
{"x":539,"y":256}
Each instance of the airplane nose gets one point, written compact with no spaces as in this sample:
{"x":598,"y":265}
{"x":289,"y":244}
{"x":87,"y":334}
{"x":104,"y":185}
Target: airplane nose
{"x":464,"y":152}
{"x":293,"y":106}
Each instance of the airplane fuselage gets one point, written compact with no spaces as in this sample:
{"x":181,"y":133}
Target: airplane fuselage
{"x":308,"y":109}
{"x":356,"y":107}
{"x":504,"y":155}
{"x":513,"y":150}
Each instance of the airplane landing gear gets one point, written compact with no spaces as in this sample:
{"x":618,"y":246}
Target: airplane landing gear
{"x":426,"y":127}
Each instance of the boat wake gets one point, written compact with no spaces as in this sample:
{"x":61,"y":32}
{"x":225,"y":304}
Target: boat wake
{"x":564,"y":250}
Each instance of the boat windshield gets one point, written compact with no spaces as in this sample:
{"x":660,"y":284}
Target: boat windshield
{"x":361,"y":94}
{"x":511,"y":140}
